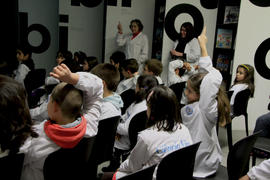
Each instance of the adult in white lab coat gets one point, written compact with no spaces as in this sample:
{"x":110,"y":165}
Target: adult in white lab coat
{"x":136,"y":42}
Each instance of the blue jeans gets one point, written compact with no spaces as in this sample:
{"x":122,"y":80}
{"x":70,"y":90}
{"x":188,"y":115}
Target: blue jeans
{"x":263,"y":123}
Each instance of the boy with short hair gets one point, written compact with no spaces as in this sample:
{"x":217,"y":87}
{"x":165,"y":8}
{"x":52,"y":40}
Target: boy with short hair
{"x":153,"y":67}
{"x":65,"y":127}
{"x":112,"y":102}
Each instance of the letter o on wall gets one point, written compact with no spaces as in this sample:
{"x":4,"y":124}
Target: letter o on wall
{"x":46,"y":38}
{"x":179,"y":9}
{"x":260,"y":59}
{"x":91,"y":3}
{"x":261,"y":3}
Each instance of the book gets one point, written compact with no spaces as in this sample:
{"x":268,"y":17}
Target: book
{"x":223,"y":63}
{"x":231,"y":14}
{"x":224,"y":38}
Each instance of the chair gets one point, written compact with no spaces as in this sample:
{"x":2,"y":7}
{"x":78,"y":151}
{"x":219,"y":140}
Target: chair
{"x":69,"y":163}
{"x":237,"y":160}
{"x":178,"y":164}
{"x":33,"y":80}
{"x":142,"y":174}
{"x":128,"y":98}
{"x":262,"y":145}
{"x":239,"y":108}
{"x":178,"y":89}
{"x":11,"y":166}
{"x":103,"y":146}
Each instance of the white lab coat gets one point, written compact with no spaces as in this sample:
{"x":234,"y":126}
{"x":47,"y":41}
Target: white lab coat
{"x":136,"y":48}
{"x":201,"y":118}
{"x":37,"y":149}
{"x":152,"y":146}
{"x":261,"y":171}
{"x":126,"y":84}
{"x":21,"y":72}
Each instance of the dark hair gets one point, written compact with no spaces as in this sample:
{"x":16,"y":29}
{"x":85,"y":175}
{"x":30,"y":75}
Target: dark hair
{"x":138,"y":22}
{"x":108,"y":73}
{"x":15,"y":120}
{"x":92,"y":62}
{"x":164,"y":107}
{"x":249,"y":77}
{"x":155,"y":66}
{"x":130,"y":65}
{"x":118,"y":57}
{"x":190,"y":31}
{"x":69,"y":99}
{"x":26,"y":50}
{"x":81,"y":56}
{"x":67,"y":55}
{"x":145,"y":83}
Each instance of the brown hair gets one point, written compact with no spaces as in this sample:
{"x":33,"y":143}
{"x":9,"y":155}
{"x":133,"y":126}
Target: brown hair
{"x":154,"y":66}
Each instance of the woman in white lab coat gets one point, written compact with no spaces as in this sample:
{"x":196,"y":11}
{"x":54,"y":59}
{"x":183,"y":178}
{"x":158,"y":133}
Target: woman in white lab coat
{"x":135,"y":43}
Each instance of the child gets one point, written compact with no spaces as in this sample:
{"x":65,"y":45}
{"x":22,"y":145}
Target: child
{"x":15,"y":120}
{"x":122,"y":143}
{"x":116,"y":59}
{"x":244,"y":79}
{"x":164,"y":133}
{"x":89,"y":63}
{"x":130,"y":73}
{"x":26,"y":63}
{"x":112,"y":102}
{"x":65,"y":127}
{"x":153,"y":67}
{"x":201,"y":114}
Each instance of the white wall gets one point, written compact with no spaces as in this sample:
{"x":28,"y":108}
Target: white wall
{"x":209,"y":16}
{"x":253,"y":29}
{"x":140,"y":9}
{"x":85,"y":28}
{"x":44,"y":13}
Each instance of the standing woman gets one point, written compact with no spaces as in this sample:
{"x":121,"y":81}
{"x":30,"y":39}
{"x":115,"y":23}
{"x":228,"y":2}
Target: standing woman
{"x":136,"y":42}
{"x":187,"y":47}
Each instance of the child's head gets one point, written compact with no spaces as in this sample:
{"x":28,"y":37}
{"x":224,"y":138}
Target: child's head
{"x":109,"y":74}
{"x":144,"y":84}
{"x":245,"y":74}
{"x":117,"y":58}
{"x":162,"y":108}
{"x":129,"y":68}
{"x":89,"y":63}
{"x":192,"y":90}
{"x":23,"y":53}
{"x":15,"y":119}
{"x":62,"y":55}
{"x":153,"y":67}
{"x":66,"y":101}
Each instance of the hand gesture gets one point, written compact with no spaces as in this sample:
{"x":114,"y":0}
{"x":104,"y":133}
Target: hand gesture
{"x":202,"y":38}
{"x":119,"y":28}
{"x":63,"y":73}
{"x":187,"y":66}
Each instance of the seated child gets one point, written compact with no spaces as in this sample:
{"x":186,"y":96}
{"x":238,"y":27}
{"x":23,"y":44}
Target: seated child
{"x":153,"y":67}
{"x":65,"y":126}
{"x":116,"y":59}
{"x":164,"y":129}
{"x":112,"y":102}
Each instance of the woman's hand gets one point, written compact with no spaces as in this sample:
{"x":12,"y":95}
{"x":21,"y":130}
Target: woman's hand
{"x":119,"y":28}
{"x":175,"y":53}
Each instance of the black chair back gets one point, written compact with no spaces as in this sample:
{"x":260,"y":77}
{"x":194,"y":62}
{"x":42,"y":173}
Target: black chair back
{"x":137,"y":124}
{"x":238,"y":157}
{"x":178,"y":164}
{"x":69,"y":163}
{"x":11,"y":166}
{"x":241,"y":102}
{"x":128,"y":98}
{"x":178,"y":89}
{"x":143,"y":174}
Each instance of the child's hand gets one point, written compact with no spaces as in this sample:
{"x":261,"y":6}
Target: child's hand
{"x":187,"y":66}
{"x":202,"y":38}
{"x":63,"y":73}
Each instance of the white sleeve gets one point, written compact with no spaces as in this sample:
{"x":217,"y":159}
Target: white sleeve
{"x":21,"y":73}
{"x":138,"y":157}
{"x":194,"y":51}
{"x":209,"y":88}
{"x":144,"y":51}
{"x":172,"y":77}
{"x":41,"y":112}
{"x":92,"y":88}
{"x":261,"y":171}
{"x":121,"y":39}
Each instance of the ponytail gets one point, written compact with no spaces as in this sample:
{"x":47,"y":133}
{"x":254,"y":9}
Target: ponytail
{"x":224,"y":116}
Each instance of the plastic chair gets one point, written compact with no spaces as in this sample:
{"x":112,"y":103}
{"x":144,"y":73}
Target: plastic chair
{"x":142,"y":174}
{"x":239,"y":108}
{"x":103,"y":146}
{"x":128,"y":98}
{"x":237,"y":160}
{"x":11,"y":166}
{"x":178,"y":164}
{"x":178,"y":89}
{"x":262,"y":145}
{"x":69,"y":163}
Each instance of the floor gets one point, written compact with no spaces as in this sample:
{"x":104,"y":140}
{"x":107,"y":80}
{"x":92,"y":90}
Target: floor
{"x":237,"y":135}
